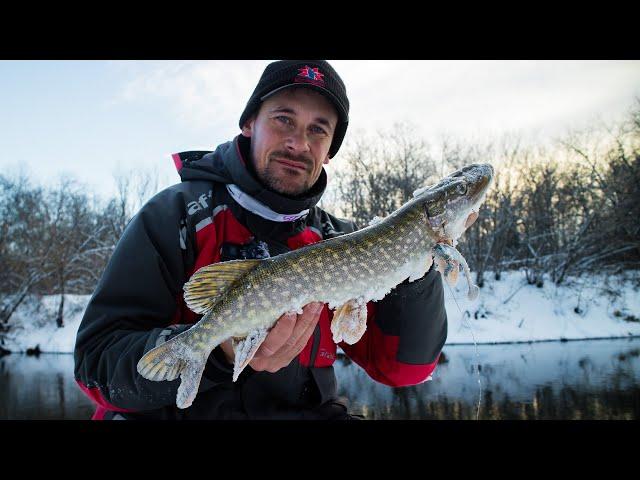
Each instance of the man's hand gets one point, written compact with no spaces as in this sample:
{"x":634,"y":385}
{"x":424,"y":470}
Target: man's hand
{"x":284,"y":342}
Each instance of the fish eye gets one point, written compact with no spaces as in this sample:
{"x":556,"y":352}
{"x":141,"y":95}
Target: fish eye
{"x":461,"y":189}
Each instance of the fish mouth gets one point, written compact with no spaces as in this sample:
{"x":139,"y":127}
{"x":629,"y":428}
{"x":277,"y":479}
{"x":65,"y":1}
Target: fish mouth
{"x":477,"y":178}
{"x":462,"y":212}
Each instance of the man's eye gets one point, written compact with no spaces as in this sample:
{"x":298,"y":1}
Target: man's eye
{"x":318,"y":130}
{"x":285,"y":120}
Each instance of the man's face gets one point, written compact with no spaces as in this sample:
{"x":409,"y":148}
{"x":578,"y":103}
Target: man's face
{"x":290,"y":139}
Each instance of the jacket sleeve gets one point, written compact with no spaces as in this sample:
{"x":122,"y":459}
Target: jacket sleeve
{"x":131,"y":312}
{"x":406,"y":331}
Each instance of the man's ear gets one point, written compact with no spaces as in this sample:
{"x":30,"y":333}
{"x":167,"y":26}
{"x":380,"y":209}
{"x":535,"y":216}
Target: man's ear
{"x":326,"y":160}
{"x":247,"y":128}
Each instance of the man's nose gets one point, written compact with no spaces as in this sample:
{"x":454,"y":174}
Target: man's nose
{"x":298,"y":141}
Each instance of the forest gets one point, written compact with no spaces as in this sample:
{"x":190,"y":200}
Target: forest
{"x":554,"y":211}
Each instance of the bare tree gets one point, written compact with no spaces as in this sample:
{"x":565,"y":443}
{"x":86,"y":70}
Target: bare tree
{"x":381,"y":173}
{"x":24,"y":247}
{"x":553,"y":211}
{"x":134,"y":188}
{"x":75,"y":237}
{"x":52,"y":241}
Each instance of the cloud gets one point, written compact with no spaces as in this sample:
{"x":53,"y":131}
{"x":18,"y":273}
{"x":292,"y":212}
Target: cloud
{"x":476,"y":97}
{"x":459,"y":97}
{"x":203,"y":95}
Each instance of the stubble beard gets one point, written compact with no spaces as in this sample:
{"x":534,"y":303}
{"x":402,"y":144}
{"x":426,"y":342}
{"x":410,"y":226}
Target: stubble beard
{"x":279,"y":184}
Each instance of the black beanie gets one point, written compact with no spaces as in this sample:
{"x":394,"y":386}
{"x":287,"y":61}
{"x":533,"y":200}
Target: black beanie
{"x":315,"y":74}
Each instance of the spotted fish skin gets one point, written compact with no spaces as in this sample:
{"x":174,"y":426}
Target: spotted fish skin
{"x":364,"y":265}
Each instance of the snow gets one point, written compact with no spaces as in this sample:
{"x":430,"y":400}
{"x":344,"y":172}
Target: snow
{"x":547,"y":313}
{"x":530,"y":314}
{"x":34,"y":323}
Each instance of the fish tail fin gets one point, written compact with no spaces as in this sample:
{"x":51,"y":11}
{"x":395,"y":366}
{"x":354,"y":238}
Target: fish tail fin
{"x":161,"y":363}
{"x":190,"y":376}
{"x":168,"y":361}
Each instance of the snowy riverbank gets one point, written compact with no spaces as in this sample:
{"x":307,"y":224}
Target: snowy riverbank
{"x":508,"y":310}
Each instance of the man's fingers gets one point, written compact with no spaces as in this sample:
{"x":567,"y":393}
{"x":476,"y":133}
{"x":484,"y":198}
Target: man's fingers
{"x":287,"y":339}
{"x":258,"y":364}
{"x":278,"y":335}
{"x":305,"y":325}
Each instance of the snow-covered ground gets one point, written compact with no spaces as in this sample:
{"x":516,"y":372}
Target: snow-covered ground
{"x":508,"y":310}
{"x":34,"y":323}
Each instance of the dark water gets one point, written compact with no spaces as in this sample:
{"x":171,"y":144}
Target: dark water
{"x":41,"y":388}
{"x":597,"y":379}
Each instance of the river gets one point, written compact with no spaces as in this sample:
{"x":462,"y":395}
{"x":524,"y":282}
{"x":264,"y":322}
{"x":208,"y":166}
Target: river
{"x":591,"y":379}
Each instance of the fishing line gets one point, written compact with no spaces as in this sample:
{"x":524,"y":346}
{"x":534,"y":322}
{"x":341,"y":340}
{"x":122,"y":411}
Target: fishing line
{"x":475,"y":345}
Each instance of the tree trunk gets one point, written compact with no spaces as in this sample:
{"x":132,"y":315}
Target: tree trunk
{"x":6,"y":313}
{"x":60,"y":317}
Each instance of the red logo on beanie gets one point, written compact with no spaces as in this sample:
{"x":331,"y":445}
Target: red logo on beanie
{"x":310,"y":75}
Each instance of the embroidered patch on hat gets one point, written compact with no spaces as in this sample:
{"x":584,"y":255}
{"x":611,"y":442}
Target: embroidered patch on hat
{"x":310,"y":75}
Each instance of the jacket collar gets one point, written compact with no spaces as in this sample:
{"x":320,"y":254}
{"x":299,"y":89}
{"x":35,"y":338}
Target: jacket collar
{"x":236,"y":160}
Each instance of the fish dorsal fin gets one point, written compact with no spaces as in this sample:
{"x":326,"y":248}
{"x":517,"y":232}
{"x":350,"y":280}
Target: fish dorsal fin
{"x":206,"y":286}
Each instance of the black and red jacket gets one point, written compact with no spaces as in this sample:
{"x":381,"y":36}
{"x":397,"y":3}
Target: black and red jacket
{"x":138,"y":304}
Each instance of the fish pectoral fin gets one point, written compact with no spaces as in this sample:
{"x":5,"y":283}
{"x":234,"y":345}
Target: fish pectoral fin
{"x":349,"y":321}
{"x":246,"y":348}
{"x":448,"y":267}
{"x":448,"y":261}
{"x":206,"y":286}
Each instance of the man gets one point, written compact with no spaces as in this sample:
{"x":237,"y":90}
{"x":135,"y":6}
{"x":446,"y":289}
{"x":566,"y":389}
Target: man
{"x":252,"y":197}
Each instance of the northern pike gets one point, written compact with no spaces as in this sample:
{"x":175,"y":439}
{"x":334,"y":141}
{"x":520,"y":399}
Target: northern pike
{"x":242,"y":299}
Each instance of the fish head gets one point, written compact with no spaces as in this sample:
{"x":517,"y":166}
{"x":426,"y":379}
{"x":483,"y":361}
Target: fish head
{"x":453,"y":203}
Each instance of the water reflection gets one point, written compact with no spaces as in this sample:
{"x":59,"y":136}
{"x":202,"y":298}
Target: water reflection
{"x":595,"y":379}
{"x":41,"y":388}
{"x":572,"y":380}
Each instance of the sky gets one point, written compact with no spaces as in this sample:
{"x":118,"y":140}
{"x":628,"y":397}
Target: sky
{"x":91,"y":119}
